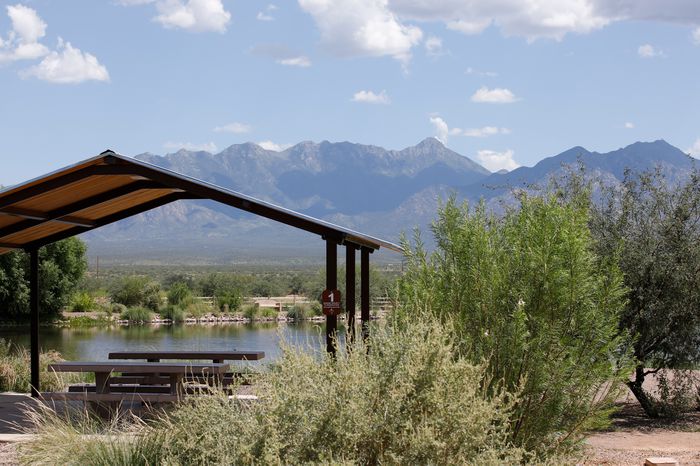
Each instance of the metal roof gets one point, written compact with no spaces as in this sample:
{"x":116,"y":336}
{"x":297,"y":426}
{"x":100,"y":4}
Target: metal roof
{"x":112,"y":187}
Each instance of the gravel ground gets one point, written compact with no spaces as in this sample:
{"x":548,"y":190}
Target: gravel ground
{"x":8,"y":454}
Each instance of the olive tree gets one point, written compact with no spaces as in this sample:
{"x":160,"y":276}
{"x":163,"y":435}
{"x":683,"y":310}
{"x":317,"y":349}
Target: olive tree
{"x":653,"y":226}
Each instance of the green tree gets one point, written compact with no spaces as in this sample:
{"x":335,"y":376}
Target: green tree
{"x":62,"y":266}
{"x":654,"y":228}
{"x":526,"y":293}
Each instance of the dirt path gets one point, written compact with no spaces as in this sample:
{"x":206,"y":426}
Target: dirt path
{"x":633,"y":437}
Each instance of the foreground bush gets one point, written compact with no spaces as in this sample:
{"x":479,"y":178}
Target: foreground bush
{"x":137,"y":314}
{"x":525,"y":293}
{"x":409,"y":401}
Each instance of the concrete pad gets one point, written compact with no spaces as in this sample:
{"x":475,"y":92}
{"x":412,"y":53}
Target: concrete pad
{"x":660,"y":461}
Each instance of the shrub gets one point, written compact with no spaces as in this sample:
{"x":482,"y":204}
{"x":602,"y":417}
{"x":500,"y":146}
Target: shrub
{"x":179,"y":294}
{"x":268,"y":313}
{"x":230,"y":300}
{"x":198,"y":310}
{"x":298,"y":312}
{"x":526,"y":293}
{"x":82,"y":302}
{"x":250,"y":311}
{"x":137,"y":291}
{"x":137,"y":314}
{"x":412,"y":400}
{"x":174,"y":313}
{"x":117,"y":308}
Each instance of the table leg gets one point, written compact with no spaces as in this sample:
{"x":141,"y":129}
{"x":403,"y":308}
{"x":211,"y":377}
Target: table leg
{"x":176,"y":386}
{"x":102,"y":382}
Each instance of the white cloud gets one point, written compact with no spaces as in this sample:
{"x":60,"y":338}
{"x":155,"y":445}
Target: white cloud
{"x":207,"y":147}
{"x":371,"y":98}
{"x":442,"y":131}
{"x":269,"y":145}
{"x":282,"y":55}
{"x":191,"y":15}
{"x":484,"y":131}
{"x":68,"y":65}
{"x":362,"y":28}
{"x":472,"y":71}
{"x":23,"y":40}
{"x":266,"y":15}
{"x":235,"y":128}
{"x":629,"y":125}
{"x":527,"y":18}
{"x":302,"y":61}
{"x":648,"y":51}
{"x":433,"y":46}
{"x":694,"y":150}
{"x":696,"y":36}
{"x":493,"y":96}
{"x":494,"y":161}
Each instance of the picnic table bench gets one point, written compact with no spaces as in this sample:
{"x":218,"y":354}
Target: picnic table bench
{"x":158,"y":382}
{"x":214,"y":356}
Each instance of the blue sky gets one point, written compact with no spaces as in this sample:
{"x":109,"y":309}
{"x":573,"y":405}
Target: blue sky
{"x":504,"y":82}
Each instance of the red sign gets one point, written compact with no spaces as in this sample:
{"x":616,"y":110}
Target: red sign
{"x":330,"y":300}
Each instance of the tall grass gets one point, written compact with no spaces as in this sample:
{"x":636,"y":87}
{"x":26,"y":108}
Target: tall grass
{"x":410,"y":400}
{"x":15,"y":372}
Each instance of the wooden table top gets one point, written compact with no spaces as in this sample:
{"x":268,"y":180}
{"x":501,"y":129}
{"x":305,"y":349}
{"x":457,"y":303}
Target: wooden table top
{"x":195,"y":355}
{"x":159,"y":367}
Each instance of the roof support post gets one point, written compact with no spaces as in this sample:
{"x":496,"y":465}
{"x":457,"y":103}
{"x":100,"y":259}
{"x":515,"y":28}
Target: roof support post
{"x":364,"y":291}
{"x":34,"y":319}
{"x":350,"y":291}
{"x":331,"y":284}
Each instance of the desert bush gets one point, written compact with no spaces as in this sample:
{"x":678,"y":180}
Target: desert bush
{"x":525,"y":293}
{"x":411,"y":400}
{"x":137,"y":314}
{"x":267,"y":313}
{"x":82,"y":302}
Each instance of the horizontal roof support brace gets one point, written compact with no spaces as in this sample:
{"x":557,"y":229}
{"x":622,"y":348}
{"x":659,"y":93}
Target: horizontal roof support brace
{"x":9,"y":246}
{"x":145,"y":207}
{"x":41,"y":217}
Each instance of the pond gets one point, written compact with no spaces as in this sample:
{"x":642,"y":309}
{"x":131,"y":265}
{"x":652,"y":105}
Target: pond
{"x":95,"y":343}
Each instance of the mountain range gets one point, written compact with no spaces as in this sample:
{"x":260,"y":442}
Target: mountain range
{"x":367,"y":188}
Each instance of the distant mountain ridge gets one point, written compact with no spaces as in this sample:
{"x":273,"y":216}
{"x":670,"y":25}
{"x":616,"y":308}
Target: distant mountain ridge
{"x":368,"y":188}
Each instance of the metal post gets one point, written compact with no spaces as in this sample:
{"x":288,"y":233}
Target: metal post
{"x":34,"y":322}
{"x":331,"y":284}
{"x":350,"y":290}
{"x":364,"y":291}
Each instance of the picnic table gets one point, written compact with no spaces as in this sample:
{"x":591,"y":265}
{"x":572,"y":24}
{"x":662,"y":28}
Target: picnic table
{"x":214,"y":356}
{"x":157,"y":382}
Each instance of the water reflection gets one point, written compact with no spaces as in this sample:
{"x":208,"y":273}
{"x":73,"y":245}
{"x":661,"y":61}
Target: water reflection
{"x":97,"y":342}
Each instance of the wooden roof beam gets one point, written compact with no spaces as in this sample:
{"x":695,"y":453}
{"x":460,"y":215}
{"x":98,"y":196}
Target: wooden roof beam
{"x":63,"y":214}
{"x":141,"y":208}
